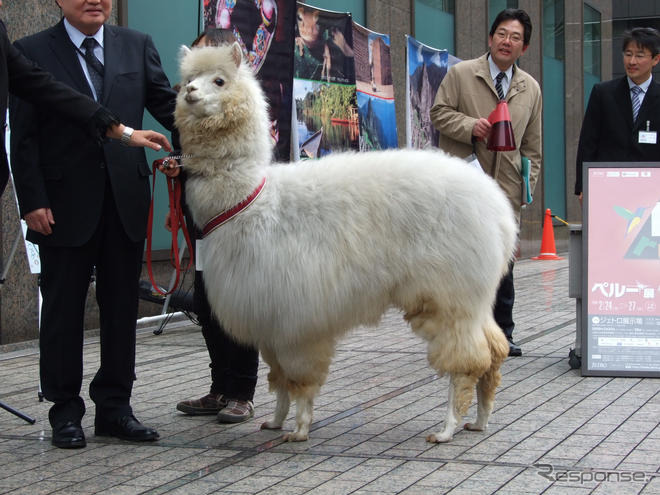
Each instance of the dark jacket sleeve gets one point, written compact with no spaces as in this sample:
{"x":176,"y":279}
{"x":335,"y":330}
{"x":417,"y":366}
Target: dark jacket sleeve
{"x":589,"y":135}
{"x":29,"y":82}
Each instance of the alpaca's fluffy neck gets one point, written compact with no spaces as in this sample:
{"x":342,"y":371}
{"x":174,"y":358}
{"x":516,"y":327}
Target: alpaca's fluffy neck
{"x":225,"y":151}
{"x":224,"y":165}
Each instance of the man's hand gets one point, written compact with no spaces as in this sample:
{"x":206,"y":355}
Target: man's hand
{"x":149,"y":139}
{"x":481,"y":129}
{"x":169,"y":166}
{"x":40,"y":220}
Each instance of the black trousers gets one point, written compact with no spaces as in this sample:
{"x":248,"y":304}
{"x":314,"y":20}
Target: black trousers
{"x":65,"y":278}
{"x":503,"y":310}
{"x":233,"y":366}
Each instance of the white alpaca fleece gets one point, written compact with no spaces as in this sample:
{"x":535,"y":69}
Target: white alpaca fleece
{"x":331,"y":244}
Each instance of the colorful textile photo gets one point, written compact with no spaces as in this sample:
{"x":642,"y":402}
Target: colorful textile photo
{"x":264,"y":29}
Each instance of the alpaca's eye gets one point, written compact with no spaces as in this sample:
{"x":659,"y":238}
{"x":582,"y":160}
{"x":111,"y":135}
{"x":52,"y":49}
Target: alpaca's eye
{"x":219,"y":82}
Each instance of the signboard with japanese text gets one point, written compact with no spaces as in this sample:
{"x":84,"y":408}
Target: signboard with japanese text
{"x":621,"y":283}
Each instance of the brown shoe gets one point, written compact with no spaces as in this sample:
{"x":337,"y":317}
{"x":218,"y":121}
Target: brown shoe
{"x":236,"y":411}
{"x":209,"y":404}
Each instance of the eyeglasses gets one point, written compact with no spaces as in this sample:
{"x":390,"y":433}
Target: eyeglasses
{"x":512,"y":37}
{"x":638,"y":55}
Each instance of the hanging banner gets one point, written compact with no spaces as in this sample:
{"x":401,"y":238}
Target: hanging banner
{"x":326,"y":117}
{"x":427,"y":67}
{"x":375,"y":91}
{"x":264,"y":29}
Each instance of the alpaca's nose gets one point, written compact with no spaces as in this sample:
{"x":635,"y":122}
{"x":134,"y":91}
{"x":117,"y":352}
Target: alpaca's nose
{"x":191,"y":93}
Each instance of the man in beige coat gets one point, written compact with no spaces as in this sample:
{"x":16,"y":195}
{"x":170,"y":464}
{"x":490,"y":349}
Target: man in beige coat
{"x":467,"y":95}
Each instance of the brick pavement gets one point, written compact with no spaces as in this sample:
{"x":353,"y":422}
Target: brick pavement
{"x":371,"y":420}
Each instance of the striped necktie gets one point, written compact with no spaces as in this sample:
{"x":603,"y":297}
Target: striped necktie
{"x":498,"y":85}
{"x":636,"y":90}
{"x":94,"y":67}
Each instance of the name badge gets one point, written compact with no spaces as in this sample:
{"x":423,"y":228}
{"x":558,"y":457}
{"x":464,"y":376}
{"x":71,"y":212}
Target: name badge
{"x":199,"y":255}
{"x":648,"y":137}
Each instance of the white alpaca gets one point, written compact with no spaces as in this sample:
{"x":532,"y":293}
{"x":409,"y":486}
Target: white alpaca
{"x":331,"y":244}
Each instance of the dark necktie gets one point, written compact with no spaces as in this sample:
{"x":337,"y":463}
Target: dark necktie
{"x":94,"y":66}
{"x":636,"y":90}
{"x":498,"y":85}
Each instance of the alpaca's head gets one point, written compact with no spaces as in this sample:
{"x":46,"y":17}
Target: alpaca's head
{"x":219,"y":94}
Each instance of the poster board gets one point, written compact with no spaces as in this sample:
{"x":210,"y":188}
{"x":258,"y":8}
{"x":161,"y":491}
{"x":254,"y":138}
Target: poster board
{"x":621,"y":277}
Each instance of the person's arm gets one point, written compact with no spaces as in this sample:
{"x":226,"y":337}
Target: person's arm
{"x":29,"y":82}
{"x":531,"y":143}
{"x":589,"y":134}
{"x":446,"y":116}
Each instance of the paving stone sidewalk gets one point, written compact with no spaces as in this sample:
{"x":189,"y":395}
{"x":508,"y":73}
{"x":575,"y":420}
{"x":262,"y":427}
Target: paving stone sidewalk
{"x":552,"y":431}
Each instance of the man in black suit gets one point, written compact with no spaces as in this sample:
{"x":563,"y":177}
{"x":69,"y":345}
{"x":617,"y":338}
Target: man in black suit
{"x":623,"y":115}
{"x":87,"y":207}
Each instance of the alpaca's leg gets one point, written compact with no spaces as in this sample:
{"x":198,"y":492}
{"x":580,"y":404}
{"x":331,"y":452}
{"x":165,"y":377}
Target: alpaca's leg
{"x":305,"y":366}
{"x":489,"y":382}
{"x":458,"y":346}
{"x":304,"y":410}
{"x":485,"y":401}
{"x":277,"y":384}
{"x":461,"y":389}
{"x":281,"y":411}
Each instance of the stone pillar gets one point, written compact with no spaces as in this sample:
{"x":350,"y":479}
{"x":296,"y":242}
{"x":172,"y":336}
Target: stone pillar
{"x":394,"y":17}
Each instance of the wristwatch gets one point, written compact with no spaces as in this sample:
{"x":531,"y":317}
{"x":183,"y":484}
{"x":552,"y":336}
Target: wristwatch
{"x":126,"y":135}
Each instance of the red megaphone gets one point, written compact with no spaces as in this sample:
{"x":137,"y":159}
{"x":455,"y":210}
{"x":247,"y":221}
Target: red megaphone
{"x":501,"y":133}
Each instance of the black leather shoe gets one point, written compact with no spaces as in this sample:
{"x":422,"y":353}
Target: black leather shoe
{"x":126,"y":428}
{"x":514,"y":349}
{"x":68,"y":435}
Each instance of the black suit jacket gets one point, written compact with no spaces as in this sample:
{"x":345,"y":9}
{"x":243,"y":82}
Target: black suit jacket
{"x":56,"y":166}
{"x":608,"y":133}
{"x":22,"y":77}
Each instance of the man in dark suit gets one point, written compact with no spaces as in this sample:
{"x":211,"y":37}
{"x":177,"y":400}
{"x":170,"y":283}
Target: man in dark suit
{"x":623,"y":115}
{"x":87,"y":207}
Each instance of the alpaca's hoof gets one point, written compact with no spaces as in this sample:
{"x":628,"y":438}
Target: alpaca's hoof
{"x":439,"y":438}
{"x":296,"y":436}
{"x":270,"y":425}
{"x":473,"y":427}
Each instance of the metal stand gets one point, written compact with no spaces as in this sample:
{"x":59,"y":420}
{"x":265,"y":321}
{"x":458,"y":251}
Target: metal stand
{"x":168,"y":298}
{"x":575,"y":290}
{"x":18,"y":413}
{"x":3,"y":277}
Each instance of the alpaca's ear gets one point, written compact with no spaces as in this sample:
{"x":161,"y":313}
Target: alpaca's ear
{"x":236,"y":53}
{"x":183,"y":52}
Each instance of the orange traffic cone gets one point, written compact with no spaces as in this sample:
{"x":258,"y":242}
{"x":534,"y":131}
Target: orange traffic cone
{"x":548,"y":250}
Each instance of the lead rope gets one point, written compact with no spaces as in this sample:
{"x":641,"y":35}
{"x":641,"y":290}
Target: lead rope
{"x":177,"y":222}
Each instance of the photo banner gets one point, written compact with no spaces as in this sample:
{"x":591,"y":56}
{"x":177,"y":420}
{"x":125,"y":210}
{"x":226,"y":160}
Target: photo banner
{"x":427,"y":66}
{"x":375,"y":91}
{"x":325,"y":113}
{"x":265,"y":31}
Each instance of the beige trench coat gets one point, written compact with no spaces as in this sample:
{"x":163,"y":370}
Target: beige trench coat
{"x":466,"y":94}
